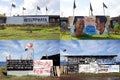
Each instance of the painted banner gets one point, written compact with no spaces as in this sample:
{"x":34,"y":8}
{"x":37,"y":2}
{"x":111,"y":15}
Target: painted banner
{"x":14,"y":20}
{"x":89,"y":25}
{"x":27,"y":20}
{"x":88,"y":68}
{"x":36,"y":20}
{"x":95,"y":68}
{"x":108,"y":68}
{"x":113,"y":68}
{"x":102,"y":24}
{"x":103,"y":68}
{"x":42,"y":67}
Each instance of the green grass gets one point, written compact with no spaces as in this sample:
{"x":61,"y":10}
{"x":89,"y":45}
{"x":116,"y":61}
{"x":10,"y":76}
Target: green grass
{"x":44,"y":32}
{"x":24,"y":32}
{"x":29,"y":77}
{"x":111,"y":36}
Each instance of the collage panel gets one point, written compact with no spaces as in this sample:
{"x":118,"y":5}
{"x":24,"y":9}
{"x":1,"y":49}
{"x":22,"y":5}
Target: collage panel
{"x":28,"y":20}
{"x":90,"y":59}
{"x":59,"y":40}
{"x":29,"y":60}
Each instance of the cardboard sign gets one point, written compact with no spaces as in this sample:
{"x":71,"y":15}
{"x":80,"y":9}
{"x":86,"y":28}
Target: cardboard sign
{"x":42,"y":67}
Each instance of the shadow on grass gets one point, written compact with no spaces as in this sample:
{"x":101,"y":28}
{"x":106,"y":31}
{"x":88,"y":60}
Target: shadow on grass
{"x":29,"y":28}
{"x":85,"y":36}
{"x":4,"y":73}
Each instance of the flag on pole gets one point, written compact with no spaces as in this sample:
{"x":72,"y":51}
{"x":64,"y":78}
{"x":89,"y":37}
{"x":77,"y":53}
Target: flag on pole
{"x":13,"y":5}
{"x":74,"y":5}
{"x":46,"y":8}
{"x":38,"y":8}
{"x":91,"y":7}
{"x":104,"y":5}
{"x":64,"y":50}
{"x":24,"y":8}
{"x":29,"y":46}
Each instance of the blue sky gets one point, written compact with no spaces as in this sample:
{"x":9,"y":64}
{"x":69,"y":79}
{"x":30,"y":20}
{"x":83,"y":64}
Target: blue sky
{"x":83,"y":7}
{"x":30,"y":5}
{"x":73,"y":47}
{"x":17,"y":48}
{"x":90,"y":47}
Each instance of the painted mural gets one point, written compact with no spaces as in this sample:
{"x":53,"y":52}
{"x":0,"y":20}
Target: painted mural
{"x":90,"y":28}
{"x":89,"y":25}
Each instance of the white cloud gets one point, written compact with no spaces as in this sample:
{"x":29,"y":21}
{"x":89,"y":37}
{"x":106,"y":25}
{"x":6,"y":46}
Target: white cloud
{"x":6,"y":0}
{"x":91,"y":47}
{"x":82,"y":7}
{"x":52,"y":5}
{"x":31,"y":7}
{"x":17,"y":48}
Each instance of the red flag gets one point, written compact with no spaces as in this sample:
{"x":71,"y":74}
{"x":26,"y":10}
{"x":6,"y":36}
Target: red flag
{"x":29,"y":46}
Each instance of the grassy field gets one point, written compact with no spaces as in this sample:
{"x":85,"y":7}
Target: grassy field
{"x":111,"y":36}
{"x":48,"y":33}
{"x":3,"y":76}
{"x":30,"y":32}
{"x":75,"y":76}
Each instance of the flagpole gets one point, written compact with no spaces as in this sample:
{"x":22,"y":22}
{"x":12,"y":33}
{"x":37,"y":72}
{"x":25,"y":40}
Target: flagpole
{"x":33,"y":53}
{"x":46,"y":12}
{"x":36,"y":8}
{"x":22,"y":11}
{"x":11,"y":10}
{"x":73,"y":16}
{"x":104,"y":10}
{"x":74,"y":6}
{"x":89,"y":12}
{"x":36,"y":11}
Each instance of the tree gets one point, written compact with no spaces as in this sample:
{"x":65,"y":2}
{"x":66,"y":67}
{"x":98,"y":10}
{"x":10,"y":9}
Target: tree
{"x":116,"y":27}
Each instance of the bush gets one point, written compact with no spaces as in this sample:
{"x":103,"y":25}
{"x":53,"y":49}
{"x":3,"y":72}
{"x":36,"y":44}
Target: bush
{"x":116,"y":27}
{"x":2,"y":26}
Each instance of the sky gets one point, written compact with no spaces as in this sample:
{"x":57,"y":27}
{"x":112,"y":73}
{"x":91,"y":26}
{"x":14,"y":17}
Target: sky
{"x":30,"y":5}
{"x":17,"y":48}
{"x":90,"y":47}
{"x":73,"y":47}
{"x":83,"y":7}
{"x":63,"y":8}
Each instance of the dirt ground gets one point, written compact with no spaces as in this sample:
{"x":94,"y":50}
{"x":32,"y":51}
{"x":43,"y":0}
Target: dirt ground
{"x":89,"y":77}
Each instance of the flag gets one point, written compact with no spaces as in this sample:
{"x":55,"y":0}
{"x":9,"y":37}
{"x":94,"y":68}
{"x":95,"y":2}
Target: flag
{"x":29,"y":46}
{"x":38,"y":8}
{"x":104,"y":5}
{"x":24,"y":8}
{"x":74,"y":6}
{"x":46,"y":8}
{"x":64,"y":50}
{"x":13,"y":5}
{"x":91,"y":7}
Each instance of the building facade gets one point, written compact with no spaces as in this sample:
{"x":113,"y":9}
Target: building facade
{"x":33,"y":19}
{"x":92,"y":63}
